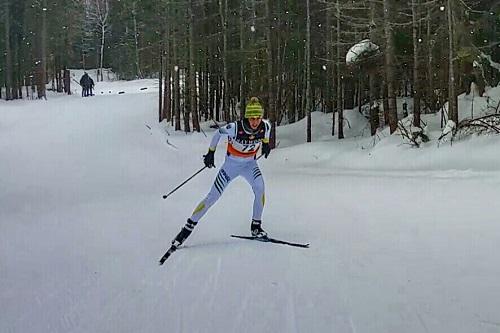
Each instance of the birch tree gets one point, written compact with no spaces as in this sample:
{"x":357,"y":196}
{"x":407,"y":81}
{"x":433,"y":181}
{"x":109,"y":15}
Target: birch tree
{"x":99,"y":14}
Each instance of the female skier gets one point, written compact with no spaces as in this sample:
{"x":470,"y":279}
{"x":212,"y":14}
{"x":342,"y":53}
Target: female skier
{"x":245,"y":137}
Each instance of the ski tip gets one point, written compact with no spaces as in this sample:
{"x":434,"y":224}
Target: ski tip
{"x":164,"y":197}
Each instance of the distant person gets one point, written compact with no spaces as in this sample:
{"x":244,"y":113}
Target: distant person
{"x":85,"y":83}
{"x":91,"y":86}
{"x":245,"y":138}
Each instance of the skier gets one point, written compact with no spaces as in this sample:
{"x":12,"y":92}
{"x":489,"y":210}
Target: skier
{"x":245,"y":137}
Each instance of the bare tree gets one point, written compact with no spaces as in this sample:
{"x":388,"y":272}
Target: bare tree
{"x":98,"y":14}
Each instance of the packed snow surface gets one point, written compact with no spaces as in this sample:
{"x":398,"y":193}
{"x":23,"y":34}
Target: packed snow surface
{"x":402,"y":239}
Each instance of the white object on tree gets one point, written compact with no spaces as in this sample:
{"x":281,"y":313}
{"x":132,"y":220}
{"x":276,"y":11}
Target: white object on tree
{"x":363,"y":49}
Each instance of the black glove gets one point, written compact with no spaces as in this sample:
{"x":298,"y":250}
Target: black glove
{"x":208,"y":159}
{"x":266,"y":149}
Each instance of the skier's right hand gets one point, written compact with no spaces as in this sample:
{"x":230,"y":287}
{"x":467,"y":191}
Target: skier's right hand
{"x":208,"y":159}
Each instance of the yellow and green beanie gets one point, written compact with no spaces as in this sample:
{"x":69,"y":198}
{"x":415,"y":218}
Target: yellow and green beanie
{"x":254,"y":109}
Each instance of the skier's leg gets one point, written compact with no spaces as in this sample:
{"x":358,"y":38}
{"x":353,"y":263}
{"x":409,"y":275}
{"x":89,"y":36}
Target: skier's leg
{"x":254,"y":177}
{"x":226,"y":174}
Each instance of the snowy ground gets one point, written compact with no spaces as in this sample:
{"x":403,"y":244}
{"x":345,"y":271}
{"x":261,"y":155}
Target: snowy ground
{"x":402,"y":240}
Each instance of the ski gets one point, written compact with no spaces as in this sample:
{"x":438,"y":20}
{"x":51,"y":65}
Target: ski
{"x":167,"y":254}
{"x":272,"y":240}
{"x":266,"y":239}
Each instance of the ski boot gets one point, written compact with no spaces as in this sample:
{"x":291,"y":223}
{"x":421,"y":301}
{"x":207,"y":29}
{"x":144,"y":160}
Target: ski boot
{"x":257,"y":230}
{"x":184,"y":233}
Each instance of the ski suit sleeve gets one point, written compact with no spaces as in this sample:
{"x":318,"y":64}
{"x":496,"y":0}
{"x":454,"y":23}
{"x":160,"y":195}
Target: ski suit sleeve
{"x":229,"y":130}
{"x":267,"y":134}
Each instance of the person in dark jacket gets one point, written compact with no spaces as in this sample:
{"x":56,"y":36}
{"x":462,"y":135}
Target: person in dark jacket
{"x":85,"y":83}
{"x":91,"y":86}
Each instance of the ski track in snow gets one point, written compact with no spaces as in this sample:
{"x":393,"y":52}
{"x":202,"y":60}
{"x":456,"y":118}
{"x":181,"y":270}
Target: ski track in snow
{"x":83,"y":225}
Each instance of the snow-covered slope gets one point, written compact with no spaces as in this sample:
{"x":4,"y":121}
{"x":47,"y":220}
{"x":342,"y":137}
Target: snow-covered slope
{"x":402,"y":240}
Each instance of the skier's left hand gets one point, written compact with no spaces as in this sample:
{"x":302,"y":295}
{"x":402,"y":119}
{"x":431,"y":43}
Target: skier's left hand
{"x":266,"y":149}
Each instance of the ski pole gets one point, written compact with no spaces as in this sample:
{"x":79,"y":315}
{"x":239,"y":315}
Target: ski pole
{"x":184,"y":182}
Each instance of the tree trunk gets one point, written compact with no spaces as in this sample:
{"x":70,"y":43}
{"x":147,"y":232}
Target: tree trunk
{"x":42,"y":67}
{"x":242,"y":59}
{"x":452,"y":105}
{"x":339,"y":95}
{"x":218,"y":97}
{"x":330,"y":71}
{"x":8,"y":54}
{"x":430,"y":62}
{"x":416,"y":79}
{"x":103,"y":30}
{"x":136,"y":40}
{"x":161,"y":116}
{"x":167,"y":93}
{"x":308,"y":70}
{"x":212,"y":83}
{"x":389,"y":67}
{"x":192,"y":70}
{"x":270,"y":74}
{"x":186,"y":106}
{"x":373,"y":104}
{"x":223,"y":12}
{"x":177,"y":93}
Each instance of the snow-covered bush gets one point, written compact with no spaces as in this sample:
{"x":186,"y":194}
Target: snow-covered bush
{"x":412,"y":135}
{"x":480,"y":126}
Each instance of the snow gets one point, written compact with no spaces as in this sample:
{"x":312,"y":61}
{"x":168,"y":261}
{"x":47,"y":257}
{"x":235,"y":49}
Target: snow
{"x":359,"y":50}
{"x":402,"y":239}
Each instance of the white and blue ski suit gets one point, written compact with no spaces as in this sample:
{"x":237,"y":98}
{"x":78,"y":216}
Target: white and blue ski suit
{"x":242,"y":147}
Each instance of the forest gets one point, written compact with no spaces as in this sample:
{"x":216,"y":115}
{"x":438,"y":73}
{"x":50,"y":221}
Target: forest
{"x":297,"y":56}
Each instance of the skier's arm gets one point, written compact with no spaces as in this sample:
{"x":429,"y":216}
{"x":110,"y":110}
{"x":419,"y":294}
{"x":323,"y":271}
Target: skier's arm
{"x":229,"y":130}
{"x":266,"y":149}
{"x":267,"y":134}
